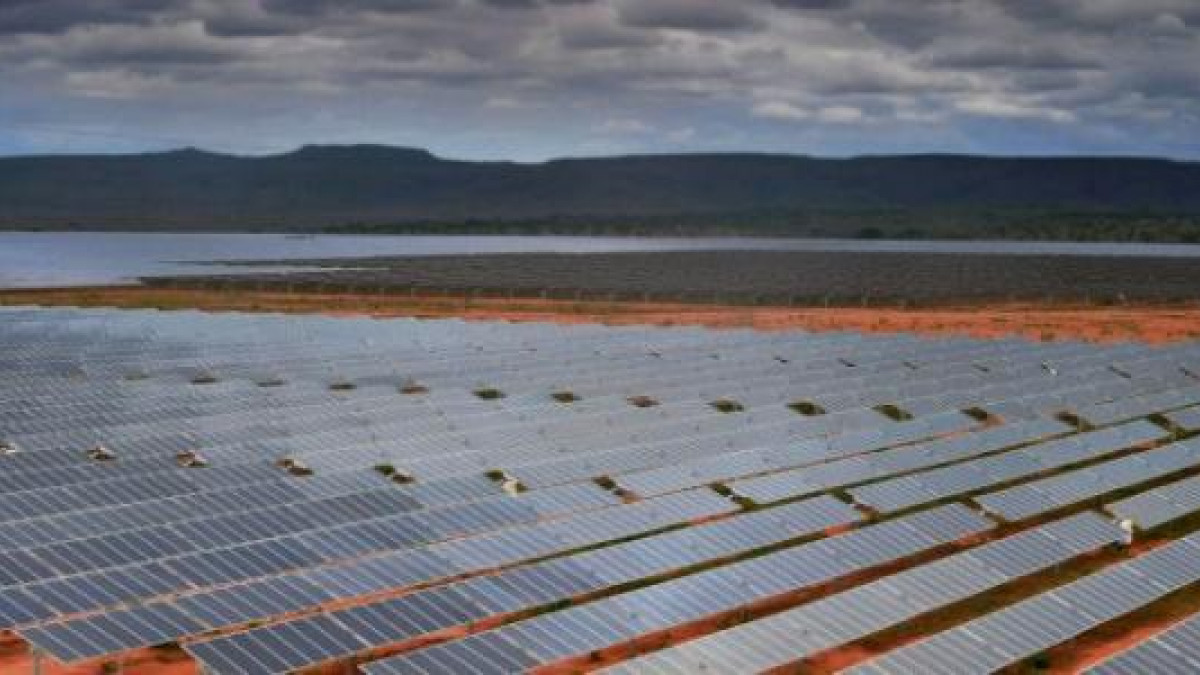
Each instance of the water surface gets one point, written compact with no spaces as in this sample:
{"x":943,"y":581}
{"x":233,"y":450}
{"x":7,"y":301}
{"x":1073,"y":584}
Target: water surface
{"x":57,"y":259}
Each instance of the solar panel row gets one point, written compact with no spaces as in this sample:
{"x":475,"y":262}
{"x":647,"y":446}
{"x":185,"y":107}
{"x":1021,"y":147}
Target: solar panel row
{"x":398,"y":565}
{"x":1047,"y":494}
{"x":864,"y":610}
{"x":107,"y":551}
{"x":1175,"y":651}
{"x":225,"y":608}
{"x":929,"y":486}
{"x":878,"y":465}
{"x":1161,"y":505}
{"x":563,"y":578}
{"x":1004,"y":637}
{"x":560,"y":635}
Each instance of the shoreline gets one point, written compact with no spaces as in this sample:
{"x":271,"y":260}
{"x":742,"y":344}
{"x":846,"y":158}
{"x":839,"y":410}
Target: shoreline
{"x":1152,"y":323}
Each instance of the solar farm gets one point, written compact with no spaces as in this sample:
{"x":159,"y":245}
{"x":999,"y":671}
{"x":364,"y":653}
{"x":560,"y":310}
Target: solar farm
{"x":256,"y":493}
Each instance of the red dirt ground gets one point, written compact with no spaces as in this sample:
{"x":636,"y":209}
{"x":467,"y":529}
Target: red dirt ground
{"x":1039,"y":322}
{"x":15,"y":659}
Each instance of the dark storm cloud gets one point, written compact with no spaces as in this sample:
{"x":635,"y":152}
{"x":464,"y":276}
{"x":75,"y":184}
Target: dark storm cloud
{"x":324,"y":7}
{"x":813,"y":4}
{"x":685,"y":14}
{"x":513,"y":4}
{"x":241,"y":26}
{"x":48,"y":16}
{"x":1012,"y":55}
{"x":1100,"y":15}
{"x":602,"y":36}
{"x":533,"y":77}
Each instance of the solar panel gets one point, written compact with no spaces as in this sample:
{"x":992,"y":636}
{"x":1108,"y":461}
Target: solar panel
{"x":560,"y":579}
{"x":113,"y":632}
{"x":1175,"y":650}
{"x":282,"y":648}
{"x":1040,"y":496}
{"x":1161,"y":505}
{"x":782,"y":485}
{"x":1188,"y":420}
{"x":899,"y":493}
{"x":259,"y":470}
{"x":560,"y":635}
{"x":864,"y":610}
{"x":1050,"y":618}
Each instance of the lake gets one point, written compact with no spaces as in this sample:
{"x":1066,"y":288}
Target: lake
{"x":58,"y":259}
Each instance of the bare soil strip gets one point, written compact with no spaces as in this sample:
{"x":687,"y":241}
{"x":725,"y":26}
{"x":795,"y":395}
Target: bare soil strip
{"x":1149,"y":323}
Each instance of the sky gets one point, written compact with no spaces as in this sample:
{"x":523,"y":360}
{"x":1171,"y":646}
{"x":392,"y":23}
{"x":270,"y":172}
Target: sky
{"x":527,"y":80}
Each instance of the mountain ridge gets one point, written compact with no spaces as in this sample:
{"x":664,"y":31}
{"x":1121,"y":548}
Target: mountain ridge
{"x":317,"y":148}
{"x":376,"y":187}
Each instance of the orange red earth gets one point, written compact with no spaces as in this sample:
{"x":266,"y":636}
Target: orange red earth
{"x":1149,"y":323}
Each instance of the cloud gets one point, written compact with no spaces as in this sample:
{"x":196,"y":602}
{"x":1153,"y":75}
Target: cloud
{"x":326,"y":7}
{"x":979,"y":55}
{"x":503,"y":103}
{"x":680,"y":136}
{"x":994,"y":107}
{"x":840,"y":114}
{"x":114,"y":84}
{"x":594,"y":27}
{"x":623,"y":126}
{"x":50,"y":16}
{"x":789,"y":112}
{"x":702,"y":15}
{"x":533,"y":78}
{"x":782,"y":110}
{"x":151,"y":47}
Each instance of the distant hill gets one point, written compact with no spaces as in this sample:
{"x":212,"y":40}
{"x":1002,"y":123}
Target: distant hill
{"x":375,"y":188}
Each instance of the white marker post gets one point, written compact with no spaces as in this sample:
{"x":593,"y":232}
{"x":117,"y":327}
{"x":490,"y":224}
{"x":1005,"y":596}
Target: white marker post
{"x":1126,"y":526}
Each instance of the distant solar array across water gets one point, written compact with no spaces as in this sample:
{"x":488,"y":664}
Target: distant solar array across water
{"x":277,"y":493}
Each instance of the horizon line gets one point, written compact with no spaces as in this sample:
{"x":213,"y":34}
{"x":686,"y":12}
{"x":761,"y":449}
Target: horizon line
{"x":585,"y":157}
